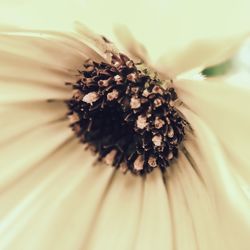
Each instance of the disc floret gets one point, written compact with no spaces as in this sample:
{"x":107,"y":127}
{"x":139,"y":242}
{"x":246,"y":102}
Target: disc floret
{"x":126,"y":116}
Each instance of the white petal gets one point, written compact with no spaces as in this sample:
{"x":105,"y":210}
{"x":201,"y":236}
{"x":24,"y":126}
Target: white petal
{"x":22,"y":153}
{"x":115,"y":223}
{"x":134,"y":215}
{"x":230,"y":203}
{"x":66,"y":196}
{"x":36,"y":64}
{"x":18,"y":119}
{"x":224,"y":108}
{"x":58,"y":197}
{"x":94,"y":208}
{"x":194,"y":216}
{"x":155,"y":228}
{"x":162,"y":26}
{"x":199,"y":55}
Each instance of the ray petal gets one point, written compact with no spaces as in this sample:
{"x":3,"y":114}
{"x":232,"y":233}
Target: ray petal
{"x":230,"y":203}
{"x":223,"y":106}
{"x":21,"y":154}
{"x":161,"y":26}
{"x":36,"y":64}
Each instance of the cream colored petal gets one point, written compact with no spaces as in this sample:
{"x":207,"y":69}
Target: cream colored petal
{"x":199,"y":55}
{"x":162,"y":26}
{"x":155,"y":226}
{"x":87,"y":208}
{"x":224,"y":108}
{"x":115,"y":224}
{"x":36,"y":64}
{"x":56,"y":200}
{"x":29,"y":68}
{"x":230,"y":203}
{"x":22,"y":153}
{"x":66,"y":197}
{"x":184,"y":235}
{"x":134,"y":214}
{"x":18,"y":119}
{"x":193,"y":214}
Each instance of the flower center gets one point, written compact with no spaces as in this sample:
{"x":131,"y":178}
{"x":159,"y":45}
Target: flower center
{"x":126,"y":116}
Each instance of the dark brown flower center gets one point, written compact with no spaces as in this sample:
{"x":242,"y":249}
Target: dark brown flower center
{"x":126,"y":116}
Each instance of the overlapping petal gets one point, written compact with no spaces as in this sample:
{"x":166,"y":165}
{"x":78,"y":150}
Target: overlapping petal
{"x":49,"y":187}
{"x":220,"y":175}
{"x":163,"y":27}
{"x":217,"y":111}
{"x":223,"y":107}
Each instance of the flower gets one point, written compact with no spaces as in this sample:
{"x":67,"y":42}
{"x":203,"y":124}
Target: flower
{"x":51,"y":195}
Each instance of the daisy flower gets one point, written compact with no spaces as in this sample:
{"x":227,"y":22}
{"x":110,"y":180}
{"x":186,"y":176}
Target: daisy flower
{"x":176,"y":143}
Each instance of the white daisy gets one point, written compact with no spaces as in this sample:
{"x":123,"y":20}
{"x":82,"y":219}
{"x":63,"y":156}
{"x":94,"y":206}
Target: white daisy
{"x":51,"y":195}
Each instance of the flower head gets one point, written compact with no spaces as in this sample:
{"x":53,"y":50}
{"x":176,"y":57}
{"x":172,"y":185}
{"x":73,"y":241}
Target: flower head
{"x":119,"y":108}
{"x":135,"y":112}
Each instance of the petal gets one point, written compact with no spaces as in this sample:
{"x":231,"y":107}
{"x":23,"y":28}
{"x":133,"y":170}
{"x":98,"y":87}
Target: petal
{"x":223,"y":106}
{"x":36,"y":64}
{"x":162,"y":26}
{"x":90,"y":208}
{"x":137,"y":215}
{"x":19,"y":119}
{"x":199,"y":55}
{"x":193,"y":215}
{"x":23,"y":152}
{"x":55,"y":198}
{"x":217,"y":170}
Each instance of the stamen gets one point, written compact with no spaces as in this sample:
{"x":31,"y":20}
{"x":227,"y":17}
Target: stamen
{"x":170,"y":132}
{"x":141,"y":122}
{"x":109,"y":158}
{"x":152,"y":162}
{"x":132,"y":77}
{"x":118,"y":78}
{"x":124,"y":114}
{"x":135,"y":103}
{"x":170,"y":156}
{"x":138,"y":164}
{"x":159,"y":123}
{"x":157,"y":90}
{"x":157,"y":102}
{"x":73,"y":118}
{"x":113,"y":95}
{"x":90,"y":98}
{"x":157,"y":140}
